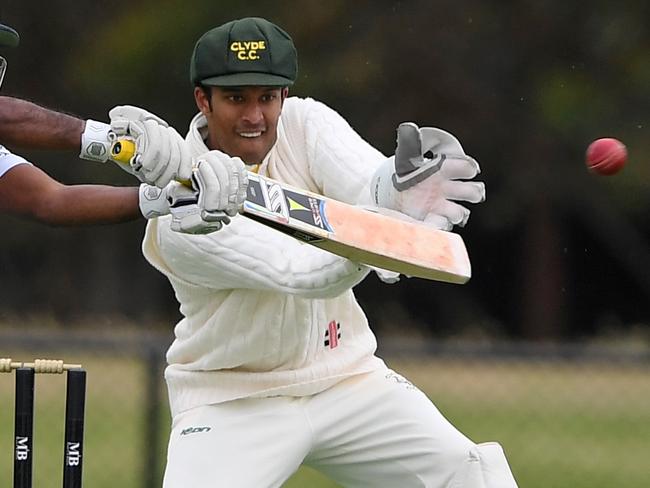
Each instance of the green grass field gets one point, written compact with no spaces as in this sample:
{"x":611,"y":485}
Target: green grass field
{"x":561,"y":424}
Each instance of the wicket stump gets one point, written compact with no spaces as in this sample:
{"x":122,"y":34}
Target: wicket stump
{"x":24,"y":418}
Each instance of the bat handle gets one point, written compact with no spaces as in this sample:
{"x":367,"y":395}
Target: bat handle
{"x":123,"y":150}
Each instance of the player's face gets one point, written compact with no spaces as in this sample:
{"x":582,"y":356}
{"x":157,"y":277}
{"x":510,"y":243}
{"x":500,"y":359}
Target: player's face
{"x":242,"y":121}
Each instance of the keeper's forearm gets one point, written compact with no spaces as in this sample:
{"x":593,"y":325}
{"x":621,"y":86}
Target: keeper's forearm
{"x":89,"y":205}
{"x":26,"y":125}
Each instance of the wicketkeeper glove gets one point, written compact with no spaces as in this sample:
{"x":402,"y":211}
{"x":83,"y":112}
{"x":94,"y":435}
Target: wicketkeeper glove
{"x":425,"y":178}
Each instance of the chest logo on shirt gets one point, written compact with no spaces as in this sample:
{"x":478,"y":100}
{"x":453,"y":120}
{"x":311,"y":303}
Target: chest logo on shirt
{"x":333,"y":334}
{"x":195,"y":430}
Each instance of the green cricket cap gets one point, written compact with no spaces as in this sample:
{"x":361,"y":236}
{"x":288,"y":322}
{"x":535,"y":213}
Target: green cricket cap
{"x":244,"y":52}
{"x":8,"y":36}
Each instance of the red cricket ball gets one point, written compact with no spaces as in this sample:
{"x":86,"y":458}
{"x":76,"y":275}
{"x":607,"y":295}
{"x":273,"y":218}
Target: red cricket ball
{"x":606,"y":156}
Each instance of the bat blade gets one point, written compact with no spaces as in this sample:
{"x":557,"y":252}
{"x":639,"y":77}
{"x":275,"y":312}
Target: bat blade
{"x":358,"y":234}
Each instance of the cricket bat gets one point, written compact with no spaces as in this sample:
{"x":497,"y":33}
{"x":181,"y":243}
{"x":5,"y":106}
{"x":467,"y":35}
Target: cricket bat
{"x":353,"y":232}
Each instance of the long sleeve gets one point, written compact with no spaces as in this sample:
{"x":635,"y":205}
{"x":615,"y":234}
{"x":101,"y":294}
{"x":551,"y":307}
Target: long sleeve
{"x":341,"y":161}
{"x":249,"y":255}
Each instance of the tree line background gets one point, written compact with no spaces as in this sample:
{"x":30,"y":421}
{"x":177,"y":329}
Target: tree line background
{"x":557,"y":253}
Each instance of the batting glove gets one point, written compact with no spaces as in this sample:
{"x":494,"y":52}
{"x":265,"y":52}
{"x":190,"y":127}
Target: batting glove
{"x":161,"y":156}
{"x":218,"y":190}
{"x":182,"y":203}
{"x":221,"y":182}
{"x":97,"y":137}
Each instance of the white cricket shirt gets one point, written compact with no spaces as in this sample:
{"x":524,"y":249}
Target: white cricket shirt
{"x":264,"y":314}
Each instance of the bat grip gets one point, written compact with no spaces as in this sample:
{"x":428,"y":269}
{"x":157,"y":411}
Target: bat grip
{"x":123,"y":150}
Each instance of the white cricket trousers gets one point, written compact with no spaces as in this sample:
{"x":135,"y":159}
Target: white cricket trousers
{"x":373,"y":430}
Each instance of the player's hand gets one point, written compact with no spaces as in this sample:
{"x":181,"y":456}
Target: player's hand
{"x":426,"y":178}
{"x":221,"y":182}
{"x":183,"y":205}
{"x":161,"y":156}
{"x":218,"y":190}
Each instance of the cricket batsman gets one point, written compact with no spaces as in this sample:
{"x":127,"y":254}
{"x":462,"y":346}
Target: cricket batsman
{"x":219,"y":182}
{"x":273,"y":363}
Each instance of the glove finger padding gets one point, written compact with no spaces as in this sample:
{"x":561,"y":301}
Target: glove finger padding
{"x":166,"y":166}
{"x":456,"y":214}
{"x":466,"y":191}
{"x":224,"y":171}
{"x":223,"y":182}
{"x":239,"y":182}
{"x":438,"y":222}
{"x":151,"y":146}
{"x":168,"y":156}
{"x":458,"y":167}
{"x":209,"y":186}
{"x":184,"y":155}
{"x":130,"y":113}
{"x":162,"y":154}
{"x":438,"y":140}
{"x":188,"y":219}
{"x":187,"y":215}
